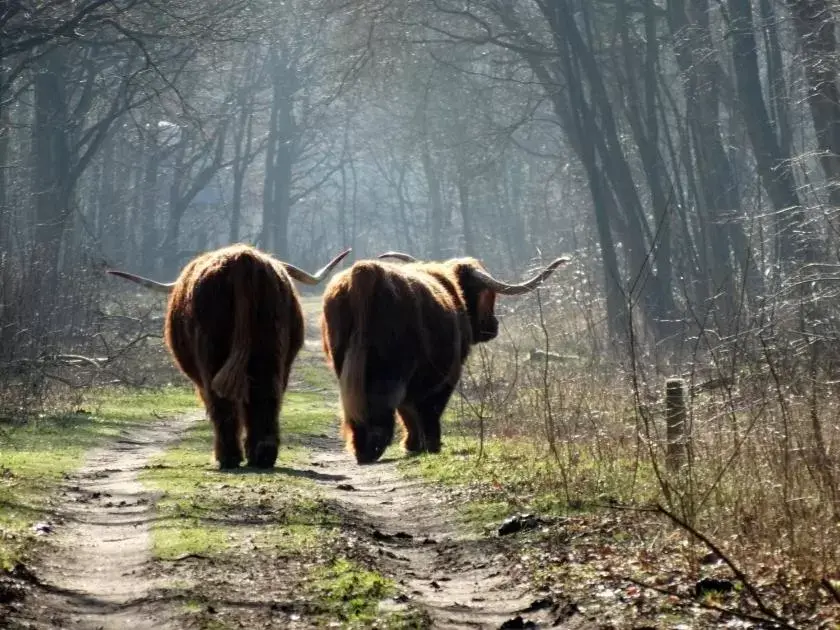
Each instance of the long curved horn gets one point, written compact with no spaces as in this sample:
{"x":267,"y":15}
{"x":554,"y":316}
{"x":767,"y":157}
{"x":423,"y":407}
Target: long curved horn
{"x":523,"y":287}
{"x":308,"y":278}
{"x":398,"y":256}
{"x":154,"y":285}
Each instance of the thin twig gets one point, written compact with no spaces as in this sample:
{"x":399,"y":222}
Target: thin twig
{"x":704,"y":604}
{"x":186,"y":556}
{"x":832,"y":590}
{"x":735,"y":569}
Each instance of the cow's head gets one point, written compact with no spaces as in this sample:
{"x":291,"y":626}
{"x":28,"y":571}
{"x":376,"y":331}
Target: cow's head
{"x":480,"y":289}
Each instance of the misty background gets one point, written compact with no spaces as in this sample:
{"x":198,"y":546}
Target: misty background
{"x":685,"y":152}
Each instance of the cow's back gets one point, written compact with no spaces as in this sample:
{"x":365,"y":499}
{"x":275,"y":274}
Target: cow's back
{"x":409,"y":323}
{"x":204,"y":307}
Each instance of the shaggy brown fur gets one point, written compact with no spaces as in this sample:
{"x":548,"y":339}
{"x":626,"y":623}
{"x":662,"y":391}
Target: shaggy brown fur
{"x":397,"y":336}
{"x":234,"y":325}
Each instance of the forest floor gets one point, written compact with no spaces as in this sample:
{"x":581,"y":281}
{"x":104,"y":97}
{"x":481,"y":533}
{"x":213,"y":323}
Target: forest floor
{"x":145,"y":533}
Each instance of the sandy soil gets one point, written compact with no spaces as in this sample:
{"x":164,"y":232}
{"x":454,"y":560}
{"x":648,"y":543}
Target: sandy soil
{"x":95,"y":572}
{"x":461,"y":581}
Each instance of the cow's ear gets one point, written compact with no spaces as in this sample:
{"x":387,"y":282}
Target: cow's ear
{"x":486,"y":302}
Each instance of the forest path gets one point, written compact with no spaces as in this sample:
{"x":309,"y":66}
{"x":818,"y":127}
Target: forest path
{"x":459,"y":580}
{"x":95,"y":575}
{"x":98,"y":571}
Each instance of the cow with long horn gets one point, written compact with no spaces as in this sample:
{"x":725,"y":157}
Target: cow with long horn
{"x":397,"y":337}
{"x":234,"y":325}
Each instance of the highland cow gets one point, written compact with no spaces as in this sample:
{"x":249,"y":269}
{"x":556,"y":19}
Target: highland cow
{"x":397,"y":337}
{"x":234,"y":326}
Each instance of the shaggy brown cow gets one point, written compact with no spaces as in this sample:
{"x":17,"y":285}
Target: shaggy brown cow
{"x":234,"y":325}
{"x":397,"y":337}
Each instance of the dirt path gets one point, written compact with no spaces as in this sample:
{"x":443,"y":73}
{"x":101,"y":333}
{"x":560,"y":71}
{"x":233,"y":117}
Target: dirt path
{"x":96,"y":573}
{"x":459,"y":580}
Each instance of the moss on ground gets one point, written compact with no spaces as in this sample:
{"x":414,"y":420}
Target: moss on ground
{"x":349,"y":592}
{"x":346,"y":592}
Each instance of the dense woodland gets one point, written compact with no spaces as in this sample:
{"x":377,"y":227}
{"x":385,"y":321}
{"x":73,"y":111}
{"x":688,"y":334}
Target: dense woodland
{"x":686,"y":153}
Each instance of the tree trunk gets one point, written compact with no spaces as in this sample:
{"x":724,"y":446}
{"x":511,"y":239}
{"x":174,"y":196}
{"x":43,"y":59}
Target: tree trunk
{"x":436,"y":204}
{"x":243,"y":143}
{"x":721,"y":240}
{"x":774,"y":167}
{"x":282,"y":204}
{"x":778,"y":93}
{"x":280,"y":150}
{"x":50,"y":182}
{"x":236,"y":205}
{"x":5,"y":144}
{"x":267,"y":231}
{"x":105,"y":199}
{"x":642,"y":114}
{"x":466,"y":215}
{"x":149,"y":238}
{"x":581,"y":67}
{"x":815,"y":26}
{"x":403,"y":204}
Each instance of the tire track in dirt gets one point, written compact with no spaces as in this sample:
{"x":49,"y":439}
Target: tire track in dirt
{"x":461,"y":582}
{"x":95,"y":574}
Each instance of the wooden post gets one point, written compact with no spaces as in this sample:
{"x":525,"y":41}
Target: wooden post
{"x":676,"y":423}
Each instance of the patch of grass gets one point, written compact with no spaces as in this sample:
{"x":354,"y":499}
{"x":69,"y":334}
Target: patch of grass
{"x":410,"y":619}
{"x":514,"y":474}
{"x":349,"y":592}
{"x":482,"y":513}
{"x":193,"y":606}
{"x":189,"y":536}
{"x":312,"y":371}
{"x":143,"y":404}
{"x":36,"y":453}
{"x":357,"y":597}
{"x":206,"y":511}
{"x":305,"y":414}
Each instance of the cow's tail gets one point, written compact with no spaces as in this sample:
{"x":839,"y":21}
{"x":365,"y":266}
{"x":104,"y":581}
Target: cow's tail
{"x":231,"y":381}
{"x":363,"y":279}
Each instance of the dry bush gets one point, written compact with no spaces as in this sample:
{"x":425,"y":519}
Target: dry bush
{"x":762,"y":474}
{"x":59,"y":335}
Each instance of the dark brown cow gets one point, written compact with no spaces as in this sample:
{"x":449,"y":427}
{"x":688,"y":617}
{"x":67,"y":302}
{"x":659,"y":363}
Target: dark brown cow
{"x":234,"y":325}
{"x":397,"y":337}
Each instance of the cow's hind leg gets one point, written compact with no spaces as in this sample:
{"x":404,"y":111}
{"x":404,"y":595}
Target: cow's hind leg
{"x":227,"y":441}
{"x":223,"y":412}
{"x":430,"y":410}
{"x":262,"y":428}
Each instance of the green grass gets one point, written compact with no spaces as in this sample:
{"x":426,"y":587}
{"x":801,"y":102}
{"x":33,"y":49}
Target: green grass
{"x":305,"y":414}
{"x":357,"y":597}
{"x":36,"y":453}
{"x":205,"y":511}
{"x":137,"y":405}
{"x":316,"y":374}
{"x":349,"y":592}
{"x":515,"y":475}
